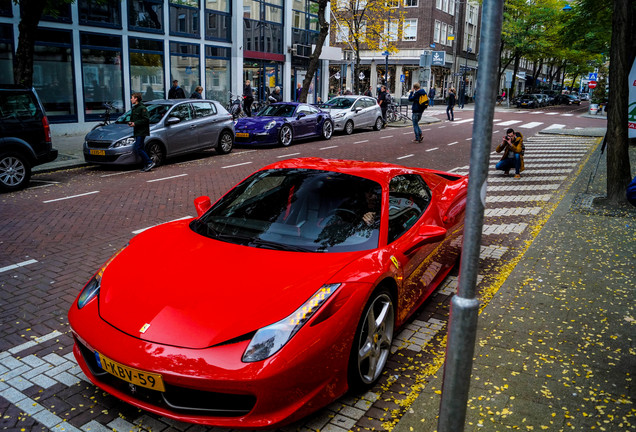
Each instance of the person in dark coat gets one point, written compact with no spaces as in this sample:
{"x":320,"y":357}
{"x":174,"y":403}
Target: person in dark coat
{"x":175,"y":91}
{"x":383,"y":101}
{"x":416,"y":115}
{"x":140,"y":122}
{"x":248,"y":98}
{"x":451,"y":104}
{"x":431,"y":96}
{"x":196,"y":94}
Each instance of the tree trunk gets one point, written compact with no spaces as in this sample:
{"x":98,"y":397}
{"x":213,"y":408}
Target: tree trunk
{"x":618,"y":166}
{"x":23,"y":62}
{"x":314,"y":59}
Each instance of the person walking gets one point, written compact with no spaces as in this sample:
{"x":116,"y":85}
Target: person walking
{"x":196,"y":94}
{"x":451,"y":104}
{"x":140,"y":122}
{"x":417,"y":110}
{"x":431,"y":96}
{"x":383,"y":101}
{"x":512,"y":146}
{"x":175,"y":91}
{"x":248,"y":98}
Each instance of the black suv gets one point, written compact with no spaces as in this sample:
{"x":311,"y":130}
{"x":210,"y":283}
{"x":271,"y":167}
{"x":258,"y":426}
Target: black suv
{"x":25,"y":136}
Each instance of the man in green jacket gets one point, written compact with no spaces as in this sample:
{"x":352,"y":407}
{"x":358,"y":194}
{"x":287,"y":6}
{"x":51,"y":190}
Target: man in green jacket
{"x":140,"y":122}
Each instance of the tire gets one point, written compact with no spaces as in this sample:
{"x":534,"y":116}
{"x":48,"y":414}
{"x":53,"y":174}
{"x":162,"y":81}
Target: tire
{"x":155,"y":151}
{"x":15,"y":172}
{"x":379,"y":124}
{"x":226,"y":143}
{"x":391,"y":116}
{"x":327,"y":130}
{"x":348,"y":127}
{"x":372,"y":342}
{"x":285,"y":135}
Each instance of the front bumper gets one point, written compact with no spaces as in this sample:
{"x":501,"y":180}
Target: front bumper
{"x":107,"y":156}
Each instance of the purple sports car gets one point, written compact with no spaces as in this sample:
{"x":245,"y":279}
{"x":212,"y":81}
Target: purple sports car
{"x":282,"y":123}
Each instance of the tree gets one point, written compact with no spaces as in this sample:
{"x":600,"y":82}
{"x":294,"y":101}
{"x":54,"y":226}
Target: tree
{"x":314,"y":59}
{"x":23,"y":62}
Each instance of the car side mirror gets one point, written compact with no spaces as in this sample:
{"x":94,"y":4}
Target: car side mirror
{"x":202,"y":204}
{"x":173,"y":120}
{"x":300,"y":115}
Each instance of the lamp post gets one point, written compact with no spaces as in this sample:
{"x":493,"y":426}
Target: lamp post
{"x":468,"y":51}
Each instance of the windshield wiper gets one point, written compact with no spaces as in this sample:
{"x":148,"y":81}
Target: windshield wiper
{"x":277,"y":246}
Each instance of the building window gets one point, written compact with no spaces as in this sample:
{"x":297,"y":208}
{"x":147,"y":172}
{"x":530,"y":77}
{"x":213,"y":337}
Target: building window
{"x":449,"y":42}
{"x":392,"y":28}
{"x":6,"y":8}
{"x":217,"y":73}
{"x":184,"y":18}
{"x":438,"y":4}
{"x":411,"y":3}
{"x":218,"y":22}
{"x":342,"y":33}
{"x":304,"y":22}
{"x":444,"y":35}
{"x":409,"y":30}
{"x":185,"y":66}
{"x":263,"y":26}
{"x":146,"y":68}
{"x":438,"y":30}
{"x":63,"y":14}
{"x":105,"y":14}
{"x":145,"y":15}
{"x":53,"y":74}
{"x":102,"y":75}
{"x":6,"y":53}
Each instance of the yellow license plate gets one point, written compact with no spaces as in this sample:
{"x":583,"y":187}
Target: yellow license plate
{"x":134,"y":376}
{"x":98,"y":152}
{"x":242,"y":134}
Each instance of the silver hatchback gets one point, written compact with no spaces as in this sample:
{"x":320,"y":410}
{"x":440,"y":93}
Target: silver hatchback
{"x":353,"y":112}
{"x":177,"y":126}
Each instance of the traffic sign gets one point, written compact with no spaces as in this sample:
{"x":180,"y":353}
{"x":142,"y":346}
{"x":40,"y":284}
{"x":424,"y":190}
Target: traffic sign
{"x":592,"y":76}
{"x":591,"y":84}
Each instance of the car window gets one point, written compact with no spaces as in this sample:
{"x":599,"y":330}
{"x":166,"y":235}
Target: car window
{"x":17,"y":106}
{"x":312,"y":109}
{"x":358,"y":104}
{"x":183,"y":112}
{"x":409,"y":196}
{"x":203,"y":109}
{"x":278,"y":110}
{"x":339,"y":103}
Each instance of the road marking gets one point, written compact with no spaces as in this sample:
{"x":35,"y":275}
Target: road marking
{"x":360,"y":142}
{"x":407,"y":156}
{"x":468,"y":139}
{"x":166,"y":178}
{"x":232,"y":166}
{"x":244,"y":152}
{"x":385,"y":137}
{"x":453,"y":143}
{"x":116,"y":174}
{"x":407,"y":133}
{"x":463,"y":121}
{"x":147,"y":228}
{"x":287,"y":155}
{"x":531,"y":125}
{"x":567,"y":115}
{"x":537,"y":112}
{"x":441,"y":127}
{"x":70,"y":197}
{"x":327,"y":148}
{"x":431,"y":149}
{"x":555,"y":126}
{"x":552,"y":113}
{"x":426,"y":130}
{"x":15,"y":266}
{"x":509,"y":122}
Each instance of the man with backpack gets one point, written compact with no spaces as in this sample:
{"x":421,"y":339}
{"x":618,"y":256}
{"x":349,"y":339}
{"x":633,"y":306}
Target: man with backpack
{"x":420,"y":103}
{"x":383,"y":100}
{"x":513,"y":148}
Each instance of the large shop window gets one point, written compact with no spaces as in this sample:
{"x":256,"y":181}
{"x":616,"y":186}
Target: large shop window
{"x":101,"y":73}
{"x":62,"y":15}
{"x":145,"y":15}
{"x":305,"y":25}
{"x":263,"y":26}
{"x":217,"y":74}
{"x":184,"y":18}
{"x":146,"y":68}
{"x":53,"y":74}
{"x":104,"y":14}
{"x":185,"y":66}
{"x":218,"y":20}
{"x":6,"y":54}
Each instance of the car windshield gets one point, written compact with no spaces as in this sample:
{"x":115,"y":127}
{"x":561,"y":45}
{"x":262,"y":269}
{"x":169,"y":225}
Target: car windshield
{"x":278,"y":110}
{"x":156,"y":113}
{"x":339,"y":103}
{"x":298,"y":210}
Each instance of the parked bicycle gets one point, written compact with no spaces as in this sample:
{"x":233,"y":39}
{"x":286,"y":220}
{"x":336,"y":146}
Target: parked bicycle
{"x":108,"y":106}
{"x":395,"y":114}
{"x":235,"y":106}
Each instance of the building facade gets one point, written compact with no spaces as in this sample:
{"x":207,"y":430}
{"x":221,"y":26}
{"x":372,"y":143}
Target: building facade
{"x":96,"y":52}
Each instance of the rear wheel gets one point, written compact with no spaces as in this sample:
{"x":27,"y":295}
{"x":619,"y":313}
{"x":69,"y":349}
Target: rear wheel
{"x":348,"y":127}
{"x":372,"y":342}
{"x":285,"y":135}
{"x":15,"y":171}
{"x":327,"y":129}
{"x":156,"y":152}
{"x":379,"y":123}
{"x":226,"y":142}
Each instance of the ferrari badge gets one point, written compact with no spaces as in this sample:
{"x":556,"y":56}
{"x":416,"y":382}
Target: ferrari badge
{"x":144,"y":328}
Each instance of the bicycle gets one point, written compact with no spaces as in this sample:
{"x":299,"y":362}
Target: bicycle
{"x":108,"y":109}
{"x":394,"y":114}
{"x":235,"y":106}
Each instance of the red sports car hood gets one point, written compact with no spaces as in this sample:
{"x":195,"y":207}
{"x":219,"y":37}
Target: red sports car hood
{"x":191,"y":291}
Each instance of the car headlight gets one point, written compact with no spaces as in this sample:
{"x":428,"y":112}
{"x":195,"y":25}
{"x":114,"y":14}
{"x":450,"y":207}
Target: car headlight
{"x":269,"y":340}
{"x":270,"y":125}
{"x":339,"y":115}
{"x":91,"y":289}
{"x":124,"y":142}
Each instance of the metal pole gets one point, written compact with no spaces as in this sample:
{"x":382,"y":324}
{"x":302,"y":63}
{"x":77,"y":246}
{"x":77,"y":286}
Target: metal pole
{"x":464,"y":306}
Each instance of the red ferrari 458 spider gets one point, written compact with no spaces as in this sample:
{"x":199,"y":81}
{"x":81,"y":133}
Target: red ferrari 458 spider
{"x":276,"y":299}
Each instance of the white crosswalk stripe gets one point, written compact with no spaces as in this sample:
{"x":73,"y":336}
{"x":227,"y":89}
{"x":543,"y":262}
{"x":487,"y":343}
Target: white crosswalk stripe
{"x":516,"y":228}
{"x":531,"y":125}
{"x":514,"y":211}
{"x":556,"y":126}
{"x":508,"y":123}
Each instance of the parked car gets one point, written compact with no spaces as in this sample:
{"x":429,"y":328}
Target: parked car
{"x":282,"y":123}
{"x":352,"y":112}
{"x":25,"y":136}
{"x":259,"y":341}
{"x":543,"y":99}
{"x":567,"y":99}
{"x":584,"y":96}
{"x":528,"y":101}
{"x":177,"y":126}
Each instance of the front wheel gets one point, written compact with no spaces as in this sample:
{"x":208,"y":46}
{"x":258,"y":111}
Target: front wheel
{"x":156,"y":152}
{"x":327,"y":129}
{"x":372,"y":342}
{"x":15,"y":171}
{"x":226,"y":143}
{"x":348,"y":127}
{"x":391,"y":116}
{"x":285,"y":135}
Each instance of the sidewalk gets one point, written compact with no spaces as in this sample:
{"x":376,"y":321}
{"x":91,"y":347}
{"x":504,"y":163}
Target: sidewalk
{"x":555,"y":347}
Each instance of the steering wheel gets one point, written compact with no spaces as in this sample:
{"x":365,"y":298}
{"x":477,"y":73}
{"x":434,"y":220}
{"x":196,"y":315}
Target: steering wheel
{"x":327,"y":219}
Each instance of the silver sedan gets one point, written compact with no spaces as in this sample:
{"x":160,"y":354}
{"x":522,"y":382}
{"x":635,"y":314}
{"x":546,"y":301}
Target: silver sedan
{"x":177,"y":126}
{"x":353,"y":112}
